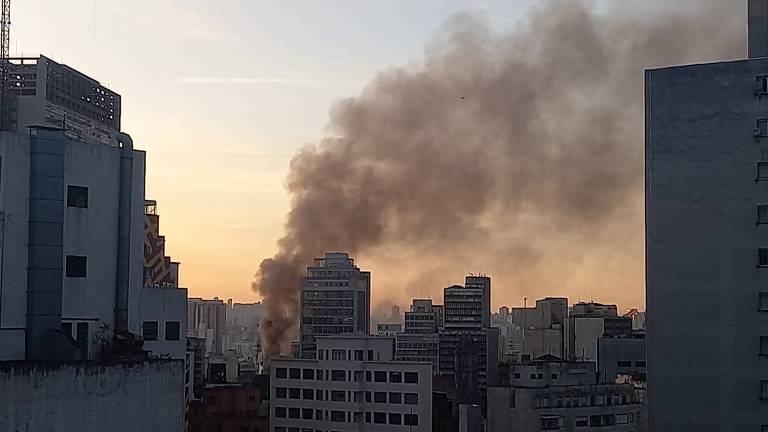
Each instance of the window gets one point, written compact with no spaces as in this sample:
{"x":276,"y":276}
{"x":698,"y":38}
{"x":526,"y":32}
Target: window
{"x":318,"y":414}
{"x":370,"y":352}
{"x":77,"y":196}
{"x":76,"y":266}
{"x":281,"y":392}
{"x":533,"y":376}
{"x":762,"y":301}
{"x":281,"y":372}
{"x":338,"y":355}
{"x":581,"y":422}
{"x":294,"y":373}
{"x":308,"y":374}
{"x":368,"y":396}
{"x":764,"y":345}
{"x":762,"y":214}
{"x":368,"y":376}
{"x":280,"y":412}
{"x":395,"y":377}
{"x":149,"y":330}
{"x":411,"y":378}
{"x":359,"y":355}
{"x":761,"y":85}
{"x":380,"y":376}
{"x":380,"y":418}
{"x":553,"y":376}
{"x":338,"y":375}
{"x":294,"y":393}
{"x":395,"y":398}
{"x":762,"y":171}
{"x":395,"y":419}
{"x":762,"y":257}
{"x":550,"y":423}
{"x":380,"y":397}
{"x":517,"y":375}
{"x":294,"y":413}
{"x":761,"y":128}
{"x":764,"y":428}
{"x":308,"y":394}
{"x":172,"y":330}
{"x":338,"y":396}
{"x":307,"y":413}
{"x":623,"y":419}
{"x":640,"y":363}
{"x":624,"y":363}
{"x":411,"y":419}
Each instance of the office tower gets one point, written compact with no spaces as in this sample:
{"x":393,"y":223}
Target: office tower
{"x":706,"y":183}
{"x":483,"y":283}
{"x":335,"y":299}
{"x":354,"y":385}
{"x":419,"y":341}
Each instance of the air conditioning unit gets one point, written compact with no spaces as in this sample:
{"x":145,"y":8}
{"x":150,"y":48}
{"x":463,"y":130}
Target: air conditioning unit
{"x":757,"y":132}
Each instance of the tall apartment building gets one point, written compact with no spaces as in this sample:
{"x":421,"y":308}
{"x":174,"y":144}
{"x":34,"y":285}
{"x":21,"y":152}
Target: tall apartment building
{"x":419,"y":341}
{"x":354,"y":385}
{"x":466,"y":328}
{"x":706,"y":183}
{"x":207,"y":319}
{"x":43,"y":92}
{"x":335,"y":299}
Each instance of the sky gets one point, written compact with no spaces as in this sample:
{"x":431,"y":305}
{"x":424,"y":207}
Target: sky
{"x":222,"y":94}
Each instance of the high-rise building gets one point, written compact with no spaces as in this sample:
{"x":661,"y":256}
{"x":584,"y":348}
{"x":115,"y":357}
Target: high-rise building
{"x":43,"y":92}
{"x":207,"y":319}
{"x":335,"y":299}
{"x":419,"y":341}
{"x":483,"y":283}
{"x":706,"y":183}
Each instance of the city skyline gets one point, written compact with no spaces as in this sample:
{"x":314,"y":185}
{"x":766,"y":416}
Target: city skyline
{"x":223,"y":227}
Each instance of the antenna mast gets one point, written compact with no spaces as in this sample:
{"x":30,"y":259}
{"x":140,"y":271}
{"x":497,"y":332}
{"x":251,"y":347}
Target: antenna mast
{"x":5,"y":32}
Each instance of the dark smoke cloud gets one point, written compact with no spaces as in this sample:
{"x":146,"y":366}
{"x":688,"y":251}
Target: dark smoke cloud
{"x":521,"y":151}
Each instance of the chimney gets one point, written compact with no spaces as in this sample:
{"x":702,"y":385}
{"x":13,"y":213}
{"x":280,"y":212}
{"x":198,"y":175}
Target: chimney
{"x":758,"y":28}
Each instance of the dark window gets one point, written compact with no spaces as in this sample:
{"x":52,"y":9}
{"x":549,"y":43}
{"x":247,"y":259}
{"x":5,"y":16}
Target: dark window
{"x":762,"y":301}
{"x":640,"y":363}
{"x":367,"y":417}
{"x":582,"y":422}
{"x":294,"y":393}
{"x":395,"y":398}
{"x":294,"y":413}
{"x":172,"y":330}
{"x":338,"y":396}
{"x":764,"y":390}
{"x":395,"y":377}
{"x":761,"y":128}
{"x":281,"y":392}
{"x":281,"y":372}
{"x":380,"y":376}
{"x":66,"y":328}
{"x":370,"y":352}
{"x":762,"y":171}
{"x":550,"y":423}
{"x":380,"y":418}
{"x":359,"y":355}
{"x":762,"y":257}
{"x":280,"y":412}
{"x":308,"y":374}
{"x":368,"y":396}
{"x":76,"y":266}
{"x":294,"y":373}
{"x":553,"y":376}
{"x":307,"y":413}
{"x":762,"y":214}
{"x":624,"y":363}
{"x":411,"y":377}
{"x":411,"y":420}
{"x":338,"y":416}
{"x":517,"y":375}
{"x":77,"y":196}
{"x":380,"y":397}
{"x":411,"y":398}
{"x":395,"y":419}
{"x":762,"y":85}
{"x":764,"y":345}
{"x":308,"y":394}
{"x":319,"y":395}
{"x":368,"y":376}
{"x":338,"y":375}
{"x":318,"y":414}
{"x":149,"y":330}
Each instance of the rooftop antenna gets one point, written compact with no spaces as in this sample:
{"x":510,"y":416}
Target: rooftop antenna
{"x":5,"y":27}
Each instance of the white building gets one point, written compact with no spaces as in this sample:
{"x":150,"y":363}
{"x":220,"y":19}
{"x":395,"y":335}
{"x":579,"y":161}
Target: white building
{"x":706,"y":160}
{"x":207,"y":319}
{"x":355,"y":385}
{"x":335,"y":299}
{"x":540,"y":330}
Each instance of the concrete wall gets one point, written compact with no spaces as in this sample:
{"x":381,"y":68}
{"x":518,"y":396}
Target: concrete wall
{"x":611,"y":351}
{"x":165,"y":305}
{"x":88,"y":231}
{"x":84,"y":397}
{"x":703,"y":281}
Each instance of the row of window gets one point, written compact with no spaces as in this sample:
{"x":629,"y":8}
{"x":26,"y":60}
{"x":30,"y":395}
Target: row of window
{"x":628,"y":363}
{"x":347,"y":416}
{"x":600,"y":420}
{"x":150,"y":330}
{"x":348,"y":375}
{"x":578,"y":401}
{"x":347,"y":396}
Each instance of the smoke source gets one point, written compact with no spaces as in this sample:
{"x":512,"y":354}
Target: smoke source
{"x":522,"y":152}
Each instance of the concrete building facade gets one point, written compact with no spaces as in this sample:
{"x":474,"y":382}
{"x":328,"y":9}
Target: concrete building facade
{"x":622,"y":355}
{"x":355,"y":385}
{"x":335,"y":299}
{"x":706,"y":157}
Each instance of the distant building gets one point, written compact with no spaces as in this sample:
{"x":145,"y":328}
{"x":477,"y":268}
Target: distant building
{"x":207,"y":319}
{"x":335,"y":299}
{"x":549,"y":394}
{"x":706,"y":207}
{"x":588,"y":323}
{"x":354,"y":385}
{"x":234,"y":407}
{"x":45,"y":93}
{"x":637,"y":317}
{"x":539,"y":330}
{"x":622,"y":356}
{"x":388,"y":329}
{"x":419,"y":342}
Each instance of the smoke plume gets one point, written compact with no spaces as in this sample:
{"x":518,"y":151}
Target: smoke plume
{"x":522,"y":153}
